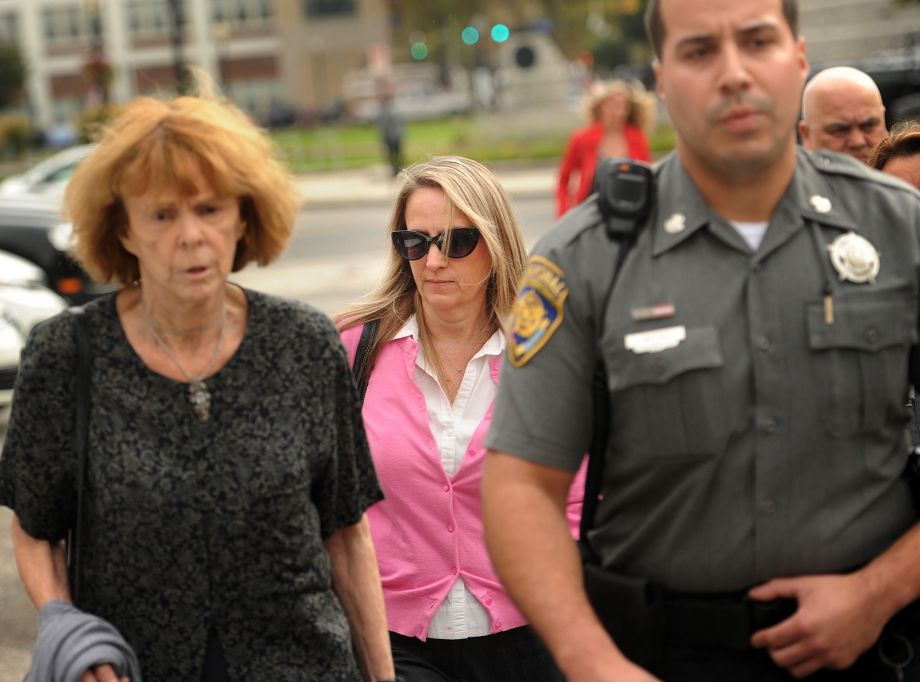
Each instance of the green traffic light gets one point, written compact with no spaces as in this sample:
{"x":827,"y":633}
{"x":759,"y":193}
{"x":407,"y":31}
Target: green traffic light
{"x":469,"y":35}
{"x":500,"y":33}
{"x":418,"y":51}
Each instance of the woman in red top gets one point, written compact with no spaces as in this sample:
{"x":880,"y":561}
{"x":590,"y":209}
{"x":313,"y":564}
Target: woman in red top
{"x":620,"y":115}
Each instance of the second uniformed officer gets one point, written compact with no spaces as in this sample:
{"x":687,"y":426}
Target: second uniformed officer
{"x":754,"y":522}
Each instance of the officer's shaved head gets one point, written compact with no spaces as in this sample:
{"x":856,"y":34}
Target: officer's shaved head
{"x":842,"y":111}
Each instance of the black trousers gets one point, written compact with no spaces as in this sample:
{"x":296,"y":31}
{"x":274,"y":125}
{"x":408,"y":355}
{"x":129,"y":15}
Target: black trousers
{"x":512,"y":656}
{"x":684,"y":664}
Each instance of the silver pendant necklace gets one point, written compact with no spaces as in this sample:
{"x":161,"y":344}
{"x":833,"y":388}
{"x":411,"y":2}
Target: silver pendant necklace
{"x":198,"y":394}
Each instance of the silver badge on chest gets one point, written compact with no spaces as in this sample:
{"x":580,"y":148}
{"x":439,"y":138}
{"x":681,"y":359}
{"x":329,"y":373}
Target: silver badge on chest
{"x":854,"y":258}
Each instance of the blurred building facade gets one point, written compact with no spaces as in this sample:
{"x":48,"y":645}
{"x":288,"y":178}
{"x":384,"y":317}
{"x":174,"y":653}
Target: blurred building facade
{"x":841,"y":31}
{"x":881,"y":37}
{"x":294,"y":55}
{"x":322,"y":40}
{"x":265,"y":55}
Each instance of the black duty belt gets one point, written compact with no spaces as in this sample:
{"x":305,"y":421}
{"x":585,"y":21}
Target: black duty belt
{"x":722,"y":621}
{"x":728,"y":621}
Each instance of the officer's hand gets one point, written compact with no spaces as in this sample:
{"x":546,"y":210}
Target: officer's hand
{"x":838,"y":619}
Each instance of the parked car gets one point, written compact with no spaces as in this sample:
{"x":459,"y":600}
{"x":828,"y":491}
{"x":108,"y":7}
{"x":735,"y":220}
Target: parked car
{"x":24,"y":302}
{"x":32,"y":228}
{"x":49,"y":177}
{"x":23,"y":294}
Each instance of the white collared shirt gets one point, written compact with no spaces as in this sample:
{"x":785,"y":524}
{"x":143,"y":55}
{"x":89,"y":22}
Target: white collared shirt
{"x":460,"y":615}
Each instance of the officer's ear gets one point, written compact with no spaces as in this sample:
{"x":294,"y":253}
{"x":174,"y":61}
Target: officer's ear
{"x":803,"y":133}
{"x":656,"y":69}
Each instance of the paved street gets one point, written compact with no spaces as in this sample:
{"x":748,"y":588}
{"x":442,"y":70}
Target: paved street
{"x":335,"y":256}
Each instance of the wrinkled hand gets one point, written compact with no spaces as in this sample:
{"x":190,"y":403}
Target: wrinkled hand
{"x":102,"y":673}
{"x":836,"y":621}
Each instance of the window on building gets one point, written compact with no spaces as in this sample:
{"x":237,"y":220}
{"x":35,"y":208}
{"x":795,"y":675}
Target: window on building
{"x":152,"y":18}
{"x":242,"y":12}
{"x":327,"y":8}
{"x":256,"y":97}
{"x":66,"y":109}
{"x":64,"y":24}
{"x":9,"y":27}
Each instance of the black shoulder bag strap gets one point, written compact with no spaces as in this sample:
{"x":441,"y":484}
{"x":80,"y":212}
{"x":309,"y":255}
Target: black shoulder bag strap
{"x":624,"y":195}
{"x":359,"y":368}
{"x":82,"y":367}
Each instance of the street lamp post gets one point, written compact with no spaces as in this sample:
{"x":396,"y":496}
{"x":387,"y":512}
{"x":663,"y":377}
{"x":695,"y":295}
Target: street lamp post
{"x":175,"y":24}
{"x":221,"y":34}
{"x":97,"y":70}
{"x":94,"y":12}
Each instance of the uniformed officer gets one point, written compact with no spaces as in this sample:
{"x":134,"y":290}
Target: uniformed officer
{"x":756,"y":347}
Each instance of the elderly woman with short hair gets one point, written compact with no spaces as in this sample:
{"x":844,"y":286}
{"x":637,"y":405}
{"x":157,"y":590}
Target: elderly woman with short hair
{"x":227,"y":470}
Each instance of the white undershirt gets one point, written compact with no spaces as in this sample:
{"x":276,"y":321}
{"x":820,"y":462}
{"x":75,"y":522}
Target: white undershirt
{"x":752,"y":233}
{"x":460,"y":615}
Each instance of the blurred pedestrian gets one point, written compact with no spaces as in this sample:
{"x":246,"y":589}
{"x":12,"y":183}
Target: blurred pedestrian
{"x":452,"y":273}
{"x":223,"y":531}
{"x":899,"y":153}
{"x":391,"y":128}
{"x":620,"y":115}
{"x":842,"y":111}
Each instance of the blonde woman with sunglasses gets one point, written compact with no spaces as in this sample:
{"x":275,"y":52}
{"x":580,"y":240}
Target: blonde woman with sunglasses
{"x":432,"y":371}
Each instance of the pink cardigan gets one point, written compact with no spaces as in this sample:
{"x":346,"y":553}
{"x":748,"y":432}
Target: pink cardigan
{"x":428,"y":529}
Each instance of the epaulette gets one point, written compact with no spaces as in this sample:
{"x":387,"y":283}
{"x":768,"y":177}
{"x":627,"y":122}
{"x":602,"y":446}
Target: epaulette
{"x":584,"y":217}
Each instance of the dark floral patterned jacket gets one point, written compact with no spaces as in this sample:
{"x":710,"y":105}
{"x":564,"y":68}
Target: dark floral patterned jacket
{"x":197,"y":527}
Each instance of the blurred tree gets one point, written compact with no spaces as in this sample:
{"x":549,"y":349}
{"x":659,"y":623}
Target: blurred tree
{"x":12,"y":74}
{"x":596,"y":25}
{"x":577,"y":25}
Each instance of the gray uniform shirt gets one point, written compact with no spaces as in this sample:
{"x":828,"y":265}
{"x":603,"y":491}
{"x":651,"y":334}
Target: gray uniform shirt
{"x":751,"y":436}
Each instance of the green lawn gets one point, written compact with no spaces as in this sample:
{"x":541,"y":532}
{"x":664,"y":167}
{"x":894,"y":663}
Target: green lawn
{"x":340,"y":146}
{"x":332,"y":147}
{"x":335,"y":147}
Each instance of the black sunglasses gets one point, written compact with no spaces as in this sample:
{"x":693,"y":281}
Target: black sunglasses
{"x":413,"y":245}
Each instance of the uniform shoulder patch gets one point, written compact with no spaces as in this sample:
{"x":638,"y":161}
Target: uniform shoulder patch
{"x":538,"y":310}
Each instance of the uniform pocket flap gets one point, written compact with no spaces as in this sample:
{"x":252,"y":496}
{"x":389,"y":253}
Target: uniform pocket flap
{"x":699,"y":348}
{"x":867,"y":325}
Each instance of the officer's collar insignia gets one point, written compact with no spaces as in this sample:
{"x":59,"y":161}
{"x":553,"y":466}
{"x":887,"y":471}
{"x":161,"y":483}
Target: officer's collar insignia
{"x":675,"y":224}
{"x":659,"y":311}
{"x":820,"y":203}
{"x":854,"y":258}
{"x":538,"y":310}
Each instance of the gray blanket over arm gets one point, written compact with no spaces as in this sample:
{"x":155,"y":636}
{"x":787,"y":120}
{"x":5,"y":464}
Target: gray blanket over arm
{"x":70,"y":642}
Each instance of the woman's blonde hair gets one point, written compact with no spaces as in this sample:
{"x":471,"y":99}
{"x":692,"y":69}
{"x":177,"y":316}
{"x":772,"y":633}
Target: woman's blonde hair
{"x":641,"y":102}
{"x":473,"y":190}
{"x":156,"y":145}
